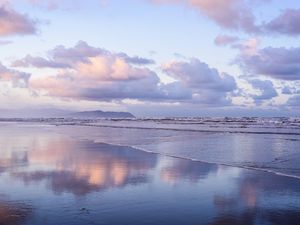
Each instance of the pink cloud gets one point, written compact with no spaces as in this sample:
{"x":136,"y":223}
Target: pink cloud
{"x":14,"y":23}
{"x":84,"y":72}
{"x":222,"y":40}
{"x":61,"y":57}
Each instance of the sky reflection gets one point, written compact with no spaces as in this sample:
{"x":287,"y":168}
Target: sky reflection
{"x":180,"y":169}
{"x":13,"y":213}
{"x":80,"y":182}
{"x":65,"y":167}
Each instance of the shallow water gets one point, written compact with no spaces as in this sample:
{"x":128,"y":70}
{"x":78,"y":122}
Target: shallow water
{"x":49,"y":177}
{"x":277,"y":153}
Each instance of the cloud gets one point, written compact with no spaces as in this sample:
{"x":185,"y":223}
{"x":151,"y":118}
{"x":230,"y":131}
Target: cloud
{"x":14,"y":23}
{"x":198,"y":75}
{"x":294,"y":101}
{"x":38,"y":62}
{"x":102,"y":78}
{"x":78,"y":86}
{"x":84,"y":72}
{"x":89,"y":73}
{"x":278,"y":63}
{"x":288,"y":22}
{"x":50,"y":4}
{"x":18,"y":79}
{"x":108,"y":167}
{"x":229,"y":14}
{"x":232,"y":14}
{"x":222,"y":40}
{"x":286,"y":90}
{"x":265,"y":87}
{"x":136,"y":59}
{"x":291,"y":89}
{"x":238,"y":15}
{"x":62,"y":57}
{"x":207,"y":84}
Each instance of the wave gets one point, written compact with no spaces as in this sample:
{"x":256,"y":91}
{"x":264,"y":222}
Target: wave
{"x":185,"y":129}
{"x":258,"y":168}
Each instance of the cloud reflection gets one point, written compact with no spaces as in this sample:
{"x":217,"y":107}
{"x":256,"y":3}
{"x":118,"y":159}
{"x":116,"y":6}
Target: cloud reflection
{"x":82,"y":167}
{"x":181,"y":169}
{"x":255,"y":200}
{"x":12,"y":213}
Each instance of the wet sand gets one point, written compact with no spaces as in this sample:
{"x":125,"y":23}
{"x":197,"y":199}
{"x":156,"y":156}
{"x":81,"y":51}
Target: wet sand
{"x":48,"y":177}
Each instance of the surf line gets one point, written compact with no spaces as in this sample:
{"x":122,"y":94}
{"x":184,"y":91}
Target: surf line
{"x":176,"y":129}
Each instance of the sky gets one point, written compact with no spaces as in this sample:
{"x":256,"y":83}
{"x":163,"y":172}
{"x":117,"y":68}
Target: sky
{"x":151,"y":57}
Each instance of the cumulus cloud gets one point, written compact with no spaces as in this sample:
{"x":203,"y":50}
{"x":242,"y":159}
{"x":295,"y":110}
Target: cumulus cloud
{"x":14,"y":23}
{"x":62,"y":57}
{"x":266,"y":88}
{"x":76,"y":86}
{"x":86,"y":72}
{"x":79,"y":87}
{"x":278,"y":63}
{"x":18,"y":79}
{"x":288,"y":22}
{"x":102,"y":78}
{"x":207,"y":84}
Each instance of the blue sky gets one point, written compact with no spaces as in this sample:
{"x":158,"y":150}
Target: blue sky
{"x":155,"y":58}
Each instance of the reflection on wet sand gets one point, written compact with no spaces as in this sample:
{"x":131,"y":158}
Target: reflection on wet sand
{"x":179,"y":191}
{"x":254,"y":198}
{"x":13,"y":213}
{"x":72,"y":166}
{"x":258,"y":216}
{"x":261,"y":198}
{"x":179,"y":169}
{"x":85,"y":166}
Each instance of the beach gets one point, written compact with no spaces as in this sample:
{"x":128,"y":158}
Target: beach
{"x":149,"y":112}
{"x":72,"y":174}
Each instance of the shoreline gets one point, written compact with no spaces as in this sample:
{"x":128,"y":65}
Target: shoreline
{"x":74,"y":171}
{"x":186,"y":158}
